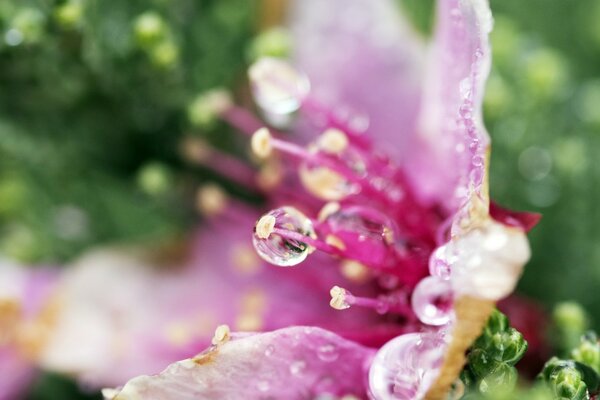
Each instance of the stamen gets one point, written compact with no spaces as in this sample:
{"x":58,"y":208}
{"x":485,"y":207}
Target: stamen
{"x":333,"y":141}
{"x":221,"y":336}
{"x":355,"y":271}
{"x":199,"y":152}
{"x":265,"y":226}
{"x":338,"y":298}
{"x":342,"y":299}
{"x":328,"y":209}
{"x":211,"y":200}
{"x":261,"y":143}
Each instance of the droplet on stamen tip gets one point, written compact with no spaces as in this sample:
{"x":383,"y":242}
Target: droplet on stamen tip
{"x":274,"y":246}
{"x":338,"y":298}
{"x":261,"y":143}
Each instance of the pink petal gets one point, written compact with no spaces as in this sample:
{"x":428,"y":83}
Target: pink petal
{"x":296,"y":362}
{"x":124,"y":315}
{"x":448,"y":154}
{"x":363,"y":56}
{"x":28,"y":289}
{"x":16,"y":374}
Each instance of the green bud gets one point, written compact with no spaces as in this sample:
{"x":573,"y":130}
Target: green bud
{"x":571,"y":321}
{"x":565,"y":379}
{"x":497,"y":98}
{"x":27,"y":26}
{"x":505,"y":40}
{"x":514,"y":346}
{"x":149,"y":28}
{"x":546,"y":73}
{"x":165,"y":54}
{"x":69,"y":14}
{"x":154,"y":178}
{"x":12,"y":195}
{"x":588,"y":351}
{"x":503,"y":378}
{"x":274,"y":42}
{"x":204,"y":110}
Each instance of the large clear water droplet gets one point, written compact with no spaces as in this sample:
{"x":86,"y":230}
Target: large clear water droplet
{"x":405,"y":367}
{"x":368,"y":235}
{"x":282,"y":251}
{"x":432,"y":301}
{"x":278,"y":88}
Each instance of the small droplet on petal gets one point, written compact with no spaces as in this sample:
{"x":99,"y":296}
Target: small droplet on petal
{"x":278,"y":88}
{"x":277,"y":249}
{"x":263,"y":386}
{"x":297,"y":367}
{"x":269,"y":350}
{"x":440,"y":262}
{"x":432,"y":301}
{"x":328,"y":352}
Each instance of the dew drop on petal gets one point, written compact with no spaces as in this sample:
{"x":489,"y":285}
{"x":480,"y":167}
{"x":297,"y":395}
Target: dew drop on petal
{"x":263,"y":385}
{"x":432,"y":301}
{"x":279,"y":250}
{"x":297,"y":367}
{"x":440,"y":262}
{"x":328,"y":352}
{"x":269,"y":350}
{"x":405,"y":367}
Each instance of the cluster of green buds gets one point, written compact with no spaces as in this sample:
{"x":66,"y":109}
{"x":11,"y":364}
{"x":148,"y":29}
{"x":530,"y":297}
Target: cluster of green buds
{"x":493,"y":356}
{"x":154,"y":37}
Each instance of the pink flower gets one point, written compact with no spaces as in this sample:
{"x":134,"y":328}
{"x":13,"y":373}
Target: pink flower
{"x":388,"y":186}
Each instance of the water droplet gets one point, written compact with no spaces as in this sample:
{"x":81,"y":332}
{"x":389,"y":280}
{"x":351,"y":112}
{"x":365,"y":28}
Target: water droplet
{"x":432,"y":301}
{"x":282,"y":251}
{"x":297,"y":367}
{"x":328,"y":352}
{"x":405,"y":367}
{"x":368,"y":235}
{"x":263,"y":386}
{"x":278,"y":88}
{"x":269,"y":350}
{"x":440,"y":262}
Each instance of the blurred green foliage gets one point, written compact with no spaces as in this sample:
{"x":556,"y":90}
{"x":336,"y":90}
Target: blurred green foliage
{"x":92,"y":109}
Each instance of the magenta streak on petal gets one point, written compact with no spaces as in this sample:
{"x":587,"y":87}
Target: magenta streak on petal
{"x":296,"y":362}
